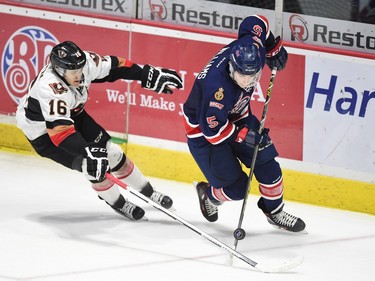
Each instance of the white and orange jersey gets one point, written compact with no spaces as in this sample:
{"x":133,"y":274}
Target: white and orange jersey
{"x":51,"y":102}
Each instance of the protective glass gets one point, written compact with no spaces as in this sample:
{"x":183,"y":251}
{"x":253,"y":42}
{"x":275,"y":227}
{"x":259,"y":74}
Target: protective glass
{"x":74,"y":72}
{"x":246,"y":82}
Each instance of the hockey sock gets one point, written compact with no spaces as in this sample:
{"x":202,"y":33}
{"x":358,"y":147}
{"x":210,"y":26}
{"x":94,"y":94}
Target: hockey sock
{"x":217,"y":195}
{"x":107,"y":191}
{"x":272,"y":194}
{"x":131,"y":175}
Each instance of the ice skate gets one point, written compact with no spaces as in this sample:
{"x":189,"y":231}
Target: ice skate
{"x":208,"y":208}
{"x":127,"y":209}
{"x":156,"y":196}
{"x":286,"y":221}
{"x":283,"y":220}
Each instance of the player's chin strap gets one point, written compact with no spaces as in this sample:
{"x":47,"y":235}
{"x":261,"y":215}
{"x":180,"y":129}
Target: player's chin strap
{"x":267,"y":268}
{"x":239,"y":233}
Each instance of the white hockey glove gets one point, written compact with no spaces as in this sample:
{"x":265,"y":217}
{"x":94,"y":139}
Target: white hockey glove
{"x":95,"y":164}
{"x":159,"y":80}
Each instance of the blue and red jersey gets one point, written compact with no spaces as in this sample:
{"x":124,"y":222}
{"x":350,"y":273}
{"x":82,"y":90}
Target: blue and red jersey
{"x":216,"y":103}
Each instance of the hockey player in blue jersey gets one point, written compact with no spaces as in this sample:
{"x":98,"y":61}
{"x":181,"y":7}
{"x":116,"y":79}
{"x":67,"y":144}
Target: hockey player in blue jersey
{"x":222,"y":131}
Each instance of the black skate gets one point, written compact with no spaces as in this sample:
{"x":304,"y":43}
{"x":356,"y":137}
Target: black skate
{"x":286,"y":221}
{"x":283,"y":220}
{"x":208,"y":208}
{"x":127,"y":209}
{"x":156,"y":196}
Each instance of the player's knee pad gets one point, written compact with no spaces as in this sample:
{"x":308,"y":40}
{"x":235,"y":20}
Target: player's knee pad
{"x":121,"y":166}
{"x":234,"y":191}
{"x":116,"y":157}
{"x":268,"y":172}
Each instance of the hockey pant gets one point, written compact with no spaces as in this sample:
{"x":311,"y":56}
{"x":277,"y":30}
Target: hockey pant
{"x":221,"y":165}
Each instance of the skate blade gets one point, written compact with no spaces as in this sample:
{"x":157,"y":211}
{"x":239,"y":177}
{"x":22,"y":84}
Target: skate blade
{"x":143,"y":219}
{"x":172,"y":209}
{"x":302,"y":232}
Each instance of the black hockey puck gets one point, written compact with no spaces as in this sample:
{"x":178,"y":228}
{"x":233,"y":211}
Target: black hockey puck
{"x":239,"y":234}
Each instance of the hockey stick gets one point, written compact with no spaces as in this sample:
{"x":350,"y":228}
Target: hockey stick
{"x":286,"y":265}
{"x":239,"y":233}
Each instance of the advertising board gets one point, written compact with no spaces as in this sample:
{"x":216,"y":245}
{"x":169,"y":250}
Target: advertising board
{"x":312,"y":30}
{"x":120,"y":8}
{"x":321,"y":109}
{"x":26,"y":41}
{"x":339,"y":114}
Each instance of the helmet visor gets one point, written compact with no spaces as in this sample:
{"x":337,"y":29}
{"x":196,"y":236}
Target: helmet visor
{"x":72,"y":76}
{"x":74,"y":72}
{"x":245,"y":81}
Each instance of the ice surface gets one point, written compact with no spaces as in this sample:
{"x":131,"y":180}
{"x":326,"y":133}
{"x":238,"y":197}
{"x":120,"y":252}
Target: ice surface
{"x":53,"y":227}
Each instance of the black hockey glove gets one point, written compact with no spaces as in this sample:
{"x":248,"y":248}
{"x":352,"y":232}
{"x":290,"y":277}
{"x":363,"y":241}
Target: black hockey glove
{"x":252,"y":138}
{"x":95,"y":164}
{"x":159,"y":80}
{"x":276,"y":55}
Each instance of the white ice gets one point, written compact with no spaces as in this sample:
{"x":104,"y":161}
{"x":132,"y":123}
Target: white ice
{"x":53,"y":227}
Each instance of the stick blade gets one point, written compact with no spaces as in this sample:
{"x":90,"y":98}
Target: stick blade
{"x":281,"y":267}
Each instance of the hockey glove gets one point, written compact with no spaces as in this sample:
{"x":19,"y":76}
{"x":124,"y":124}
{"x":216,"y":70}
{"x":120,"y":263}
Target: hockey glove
{"x":253,"y":138}
{"x":276,"y":55}
{"x":159,"y":80}
{"x":95,"y":164}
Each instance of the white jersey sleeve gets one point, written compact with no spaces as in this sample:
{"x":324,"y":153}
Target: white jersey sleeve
{"x":98,"y":67}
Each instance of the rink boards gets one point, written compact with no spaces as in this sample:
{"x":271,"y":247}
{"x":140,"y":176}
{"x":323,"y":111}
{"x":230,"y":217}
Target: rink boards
{"x":321,"y":107}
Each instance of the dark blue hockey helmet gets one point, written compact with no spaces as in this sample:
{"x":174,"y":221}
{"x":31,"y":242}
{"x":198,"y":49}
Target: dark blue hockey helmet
{"x":246,"y":59}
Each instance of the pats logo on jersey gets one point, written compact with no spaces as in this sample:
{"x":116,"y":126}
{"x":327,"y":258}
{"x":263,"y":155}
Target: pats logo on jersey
{"x":241,"y":106}
{"x":24,"y":55}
